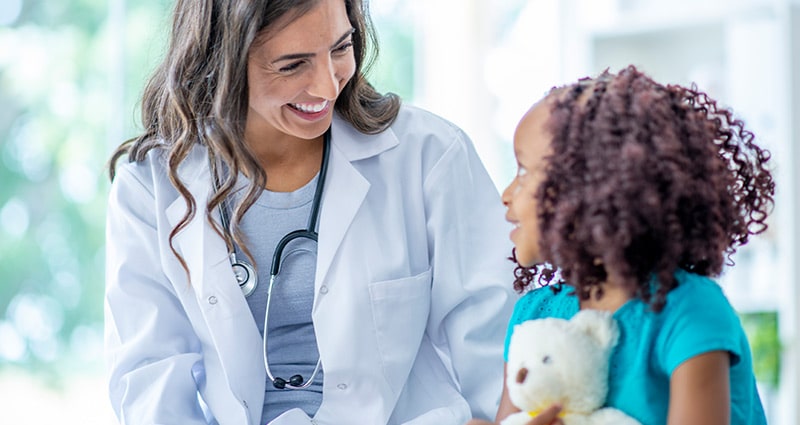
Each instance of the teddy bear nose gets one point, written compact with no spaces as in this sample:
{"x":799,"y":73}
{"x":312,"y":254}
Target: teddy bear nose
{"x":521,"y":375}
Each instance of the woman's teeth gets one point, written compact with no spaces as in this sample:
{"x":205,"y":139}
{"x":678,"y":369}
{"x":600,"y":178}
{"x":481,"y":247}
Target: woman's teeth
{"x":310,"y":108}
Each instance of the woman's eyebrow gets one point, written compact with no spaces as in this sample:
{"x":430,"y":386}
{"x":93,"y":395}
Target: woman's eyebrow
{"x":295,"y":56}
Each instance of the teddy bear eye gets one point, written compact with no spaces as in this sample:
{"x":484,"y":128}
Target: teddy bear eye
{"x":546,"y":359}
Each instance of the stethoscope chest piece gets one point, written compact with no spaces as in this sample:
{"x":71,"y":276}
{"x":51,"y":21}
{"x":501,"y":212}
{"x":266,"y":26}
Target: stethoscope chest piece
{"x":246,"y":276}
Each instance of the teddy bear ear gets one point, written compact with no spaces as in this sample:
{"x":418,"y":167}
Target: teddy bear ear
{"x":599,"y":325}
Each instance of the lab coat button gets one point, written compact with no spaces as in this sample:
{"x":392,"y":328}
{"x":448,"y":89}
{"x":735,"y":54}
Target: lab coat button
{"x":212,"y":300}
{"x":342,"y":386}
{"x":323,"y":289}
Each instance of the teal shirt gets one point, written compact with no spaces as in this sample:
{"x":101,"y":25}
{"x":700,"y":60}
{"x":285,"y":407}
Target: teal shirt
{"x":696,"y":319}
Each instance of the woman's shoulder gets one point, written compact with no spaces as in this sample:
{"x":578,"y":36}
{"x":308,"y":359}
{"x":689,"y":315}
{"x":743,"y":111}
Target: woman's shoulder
{"x":416,"y":135}
{"x":415,"y":123}
{"x":152,"y":169}
{"x":413,"y":114}
{"x":152,"y":163}
{"x":415,"y":131}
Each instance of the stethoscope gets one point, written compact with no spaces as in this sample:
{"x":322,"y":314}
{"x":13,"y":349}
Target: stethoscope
{"x":248,"y":280}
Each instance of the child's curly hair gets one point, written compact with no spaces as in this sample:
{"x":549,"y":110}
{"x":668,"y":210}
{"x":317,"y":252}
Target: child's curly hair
{"x":644,"y":179}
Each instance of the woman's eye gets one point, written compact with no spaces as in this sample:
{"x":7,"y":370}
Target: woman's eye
{"x":344,"y":47}
{"x":291,"y":67}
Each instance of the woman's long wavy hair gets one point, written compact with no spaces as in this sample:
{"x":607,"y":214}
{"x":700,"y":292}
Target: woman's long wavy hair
{"x":644,"y":179}
{"x":199,"y":95}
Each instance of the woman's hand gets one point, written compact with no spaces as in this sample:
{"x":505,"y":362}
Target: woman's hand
{"x":548,"y":416}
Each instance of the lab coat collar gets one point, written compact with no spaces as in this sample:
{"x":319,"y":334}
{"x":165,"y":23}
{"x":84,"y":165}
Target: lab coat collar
{"x":355,"y":145}
{"x":345,"y":189}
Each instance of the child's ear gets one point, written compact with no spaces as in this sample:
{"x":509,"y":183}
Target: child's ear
{"x":599,"y":325}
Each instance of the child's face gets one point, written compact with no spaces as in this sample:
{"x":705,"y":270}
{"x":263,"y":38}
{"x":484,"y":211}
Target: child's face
{"x":531,"y":145}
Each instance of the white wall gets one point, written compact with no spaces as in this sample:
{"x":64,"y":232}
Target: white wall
{"x":482,"y":73}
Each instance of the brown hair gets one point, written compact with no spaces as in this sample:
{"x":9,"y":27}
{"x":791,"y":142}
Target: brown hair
{"x":199,"y":94}
{"x":644,"y":179}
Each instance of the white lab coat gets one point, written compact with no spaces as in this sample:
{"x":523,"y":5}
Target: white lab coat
{"x":412,"y":289}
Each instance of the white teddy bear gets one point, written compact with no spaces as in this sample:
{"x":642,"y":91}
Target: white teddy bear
{"x":554,"y":360}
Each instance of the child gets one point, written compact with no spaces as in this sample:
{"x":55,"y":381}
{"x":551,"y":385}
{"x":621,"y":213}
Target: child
{"x":630,"y":196}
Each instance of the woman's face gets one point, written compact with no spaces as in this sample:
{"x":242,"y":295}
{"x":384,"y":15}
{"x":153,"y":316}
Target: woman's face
{"x":296,"y":73}
{"x":531,"y":145}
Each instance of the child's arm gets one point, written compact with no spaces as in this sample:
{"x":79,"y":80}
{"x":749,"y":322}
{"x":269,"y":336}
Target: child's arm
{"x":506,"y":407}
{"x":548,"y":417}
{"x":699,"y":391}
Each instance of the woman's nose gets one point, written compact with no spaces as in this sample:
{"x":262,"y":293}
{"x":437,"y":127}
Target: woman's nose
{"x":324,"y":83}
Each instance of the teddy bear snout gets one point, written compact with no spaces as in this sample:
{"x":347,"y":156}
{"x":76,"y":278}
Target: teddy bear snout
{"x":521,"y":375}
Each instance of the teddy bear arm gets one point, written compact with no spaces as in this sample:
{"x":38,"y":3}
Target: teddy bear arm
{"x":612,"y":416}
{"x":520,"y":418}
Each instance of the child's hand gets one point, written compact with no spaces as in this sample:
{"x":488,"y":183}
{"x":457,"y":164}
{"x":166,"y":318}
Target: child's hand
{"x":548,"y":416}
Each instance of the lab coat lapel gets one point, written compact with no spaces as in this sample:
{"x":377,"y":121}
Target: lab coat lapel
{"x":198,"y":243}
{"x":228,"y":321}
{"x":345,"y":188}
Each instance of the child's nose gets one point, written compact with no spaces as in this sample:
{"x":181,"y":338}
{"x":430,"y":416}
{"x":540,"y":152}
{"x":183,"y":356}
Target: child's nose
{"x":506,"y":196}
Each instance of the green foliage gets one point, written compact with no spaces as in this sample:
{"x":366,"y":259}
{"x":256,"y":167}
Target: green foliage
{"x":393,"y":70}
{"x":59,"y":62}
{"x":762,"y":331}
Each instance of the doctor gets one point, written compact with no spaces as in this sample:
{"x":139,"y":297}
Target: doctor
{"x":286,"y":243}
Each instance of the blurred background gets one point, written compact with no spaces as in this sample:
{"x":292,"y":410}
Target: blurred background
{"x":71,"y":72}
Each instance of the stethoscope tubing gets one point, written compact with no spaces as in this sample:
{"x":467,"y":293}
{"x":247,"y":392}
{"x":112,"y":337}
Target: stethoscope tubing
{"x":249,"y":280}
{"x":311,"y":230}
{"x":272,"y":378}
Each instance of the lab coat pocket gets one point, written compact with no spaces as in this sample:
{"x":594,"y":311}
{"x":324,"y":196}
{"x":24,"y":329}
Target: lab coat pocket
{"x":400,"y":311}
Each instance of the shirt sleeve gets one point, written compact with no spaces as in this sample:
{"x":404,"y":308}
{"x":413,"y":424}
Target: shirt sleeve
{"x":697,"y":319}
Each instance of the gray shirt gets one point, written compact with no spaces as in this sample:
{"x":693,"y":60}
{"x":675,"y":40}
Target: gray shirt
{"x":292,"y":346}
